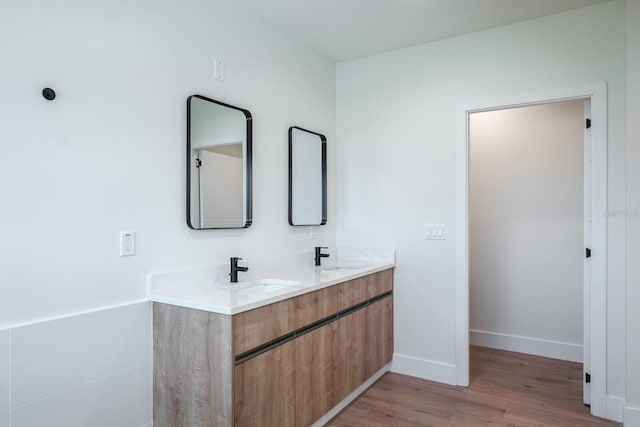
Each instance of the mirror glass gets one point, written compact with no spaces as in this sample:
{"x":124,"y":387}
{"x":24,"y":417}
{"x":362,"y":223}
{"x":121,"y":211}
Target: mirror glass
{"x":307,"y":177}
{"x":218,"y":165}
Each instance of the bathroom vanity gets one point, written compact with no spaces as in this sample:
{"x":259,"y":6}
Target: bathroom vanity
{"x":280,"y":360}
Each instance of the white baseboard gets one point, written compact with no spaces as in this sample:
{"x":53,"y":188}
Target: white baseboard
{"x":538,"y":347}
{"x":631,"y":417}
{"x":423,"y":368}
{"x":351,"y":397}
{"x":615,"y":408}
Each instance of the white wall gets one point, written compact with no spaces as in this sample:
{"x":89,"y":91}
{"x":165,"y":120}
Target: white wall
{"x":93,"y":369}
{"x":109,"y":153}
{"x":526,"y":227}
{"x":632,"y":414}
{"x":396,"y":158}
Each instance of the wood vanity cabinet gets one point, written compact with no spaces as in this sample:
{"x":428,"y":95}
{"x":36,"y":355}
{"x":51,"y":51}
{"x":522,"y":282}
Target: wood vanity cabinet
{"x":283,"y":364}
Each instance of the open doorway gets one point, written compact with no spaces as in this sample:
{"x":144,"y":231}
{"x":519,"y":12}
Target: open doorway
{"x":528,"y":177}
{"x":594,"y":299}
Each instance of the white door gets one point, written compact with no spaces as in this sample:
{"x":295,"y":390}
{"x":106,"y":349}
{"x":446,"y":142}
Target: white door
{"x":221,"y":189}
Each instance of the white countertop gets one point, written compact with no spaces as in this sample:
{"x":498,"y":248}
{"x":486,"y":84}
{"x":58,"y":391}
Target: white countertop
{"x":208,"y":288}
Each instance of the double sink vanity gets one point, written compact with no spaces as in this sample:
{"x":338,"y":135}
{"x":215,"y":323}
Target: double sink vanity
{"x":278,"y":342}
{"x":286,"y":344}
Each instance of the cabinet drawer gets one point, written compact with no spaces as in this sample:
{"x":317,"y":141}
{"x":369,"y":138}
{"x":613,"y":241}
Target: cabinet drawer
{"x":261,"y":325}
{"x":316,"y":306}
{"x":380,"y":283}
{"x":361,"y":289}
{"x":352,"y":292}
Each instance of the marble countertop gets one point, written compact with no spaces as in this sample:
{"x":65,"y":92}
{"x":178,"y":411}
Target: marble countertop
{"x":266,"y":282}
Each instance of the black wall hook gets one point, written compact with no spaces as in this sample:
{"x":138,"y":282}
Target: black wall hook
{"x":49,"y":93}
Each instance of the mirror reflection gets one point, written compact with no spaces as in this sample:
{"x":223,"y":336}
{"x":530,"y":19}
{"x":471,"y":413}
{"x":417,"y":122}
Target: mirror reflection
{"x":307,"y":177}
{"x":218,"y":164}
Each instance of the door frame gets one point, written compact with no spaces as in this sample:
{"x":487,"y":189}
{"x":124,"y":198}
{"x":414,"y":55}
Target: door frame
{"x":597,"y":93}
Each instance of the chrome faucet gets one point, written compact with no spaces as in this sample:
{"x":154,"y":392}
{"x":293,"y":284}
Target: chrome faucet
{"x":320,"y":255}
{"x":234,"y":269}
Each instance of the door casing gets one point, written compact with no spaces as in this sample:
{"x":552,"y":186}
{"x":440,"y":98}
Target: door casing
{"x":597,"y":293}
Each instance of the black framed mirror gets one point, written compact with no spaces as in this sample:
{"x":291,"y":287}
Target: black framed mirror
{"x":219,"y":176}
{"x":307,"y":177}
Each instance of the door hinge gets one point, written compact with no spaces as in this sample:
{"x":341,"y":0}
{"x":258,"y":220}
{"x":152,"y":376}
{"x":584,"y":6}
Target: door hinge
{"x":588,"y":123}
{"x":198,"y":163}
{"x":587,"y":377}
{"x":587,"y":253}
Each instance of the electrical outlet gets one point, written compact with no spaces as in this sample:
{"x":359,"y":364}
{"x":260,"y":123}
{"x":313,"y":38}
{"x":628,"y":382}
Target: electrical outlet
{"x":219,"y":70}
{"x":127,"y":243}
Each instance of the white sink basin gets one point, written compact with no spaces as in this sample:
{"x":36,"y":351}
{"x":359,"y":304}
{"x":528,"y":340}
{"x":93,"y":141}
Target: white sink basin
{"x":345,"y":267}
{"x":265,"y":286}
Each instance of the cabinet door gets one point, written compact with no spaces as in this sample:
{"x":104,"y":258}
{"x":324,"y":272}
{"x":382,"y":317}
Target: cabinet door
{"x":379,"y":336}
{"x":349,"y":353}
{"x":314,"y":374}
{"x":264,"y":390}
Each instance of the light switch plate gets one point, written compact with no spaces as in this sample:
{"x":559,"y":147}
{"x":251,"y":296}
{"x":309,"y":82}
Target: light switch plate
{"x":434,"y":232}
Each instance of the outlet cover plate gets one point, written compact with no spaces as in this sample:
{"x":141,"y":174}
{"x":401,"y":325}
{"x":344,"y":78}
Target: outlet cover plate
{"x":127,"y":243}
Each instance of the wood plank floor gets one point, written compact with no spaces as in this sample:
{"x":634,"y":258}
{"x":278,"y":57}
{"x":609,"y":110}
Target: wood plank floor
{"x":507,"y":389}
